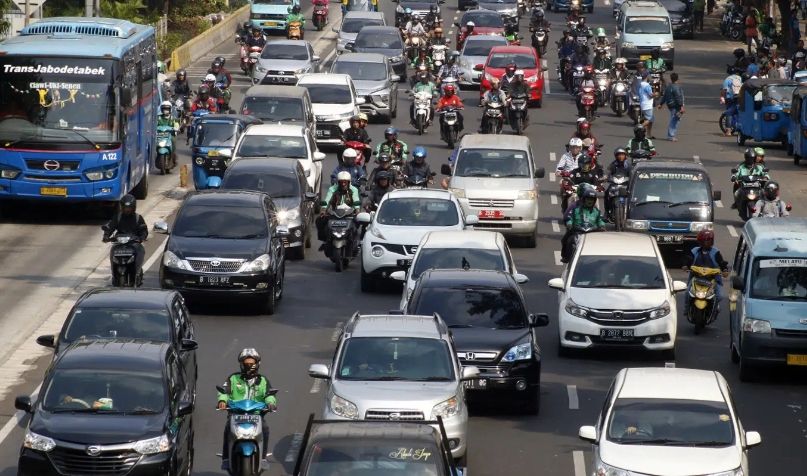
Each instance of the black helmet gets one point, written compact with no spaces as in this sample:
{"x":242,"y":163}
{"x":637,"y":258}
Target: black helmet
{"x":639,"y":131}
{"x":382,"y":175}
{"x":739,"y":53}
{"x":182,"y":74}
{"x":221,"y":59}
{"x":589,"y":197}
{"x":384,"y":158}
{"x":255,"y":29}
{"x":252,"y":370}
{"x":749,"y":157}
{"x":771,"y":190}
{"x":295,"y":9}
{"x":204,"y":92}
{"x":620,"y":151}
{"x":247,"y":25}
{"x":128,"y":204}
{"x":215,"y":66}
{"x":585,"y":162}
{"x":655,"y":53}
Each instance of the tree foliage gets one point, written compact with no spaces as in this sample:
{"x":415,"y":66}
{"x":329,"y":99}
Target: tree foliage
{"x":5,"y":24}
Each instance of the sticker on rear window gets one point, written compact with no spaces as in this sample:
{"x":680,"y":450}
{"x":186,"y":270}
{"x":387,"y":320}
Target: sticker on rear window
{"x":783,"y":263}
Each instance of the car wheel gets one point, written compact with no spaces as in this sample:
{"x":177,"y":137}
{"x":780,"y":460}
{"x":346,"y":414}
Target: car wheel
{"x":462,"y":461}
{"x":539,"y":103}
{"x":531,"y":241}
{"x":532,"y":402}
{"x":668,"y":355}
{"x":368,"y":285}
{"x":271,"y":301}
{"x":796,"y":159}
{"x":735,"y":356}
{"x":564,"y":351}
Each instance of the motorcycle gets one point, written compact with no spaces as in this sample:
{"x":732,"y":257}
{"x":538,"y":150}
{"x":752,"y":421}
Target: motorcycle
{"x":564,"y":70}
{"x":576,"y":78}
{"x":122,"y":260}
{"x":619,"y":97}
{"x":703,"y":307}
{"x":568,"y":191}
{"x":749,"y":192}
{"x":182,"y":112}
{"x":540,"y":38}
{"x":423,"y":103}
{"x":578,"y":232}
{"x":320,"y":16}
{"x":655,"y":80}
{"x":412,"y":45}
{"x":194,"y":116}
{"x":518,"y":113}
{"x":602,"y":79}
{"x":449,"y":126}
{"x":438,"y":54}
{"x":418,"y":181}
{"x":246,"y":435}
{"x":341,"y":238}
{"x":253,"y":55}
{"x":165,"y":160}
{"x":635,"y":109}
{"x":617,"y":197}
{"x":588,"y":103}
{"x":639,"y":155}
{"x":294,"y":30}
{"x":493,"y":118}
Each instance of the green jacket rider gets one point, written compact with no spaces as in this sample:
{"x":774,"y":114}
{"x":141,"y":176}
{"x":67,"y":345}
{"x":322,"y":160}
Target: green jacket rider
{"x":295,"y":15}
{"x":390,"y":138}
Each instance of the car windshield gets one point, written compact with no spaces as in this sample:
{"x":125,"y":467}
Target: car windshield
{"x":484,"y":20}
{"x":292,"y":147}
{"x":361,"y":70}
{"x":670,"y":422}
{"x":274,"y":109}
{"x":145,"y":324}
{"x":384,"y":41}
{"x":481,"y":47}
{"x":285,"y":52}
{"x":492,"y":163}
{"x":521,"y":60}
{"x":412,"y":211}
{"x":498,"y":1}
{"x":457,"y":258}
{"x":211,"y":134}
{"x":353,"y":25}
{"x":329,"y":93}
{"x":670,"y":188}
{"x":473,"y":306}
{"x":779,"y":279}
{"x":628,"y":272}
{"x":276,"y":185}
{"x":647,"y":25}
{"x":396,"y":358}
{"x":387,"y":456}
{"x":778,"y":95}
{"x":208,"y":221}
{"x":105,"y":391}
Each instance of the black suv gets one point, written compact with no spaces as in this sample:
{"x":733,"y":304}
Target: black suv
{"x":110,"y":408}
{"x":226,"y":243}
{"x":142,"y":314}
{"x":491,"y":327}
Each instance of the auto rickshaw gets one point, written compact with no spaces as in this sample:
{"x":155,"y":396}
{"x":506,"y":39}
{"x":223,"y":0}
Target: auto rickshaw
{"x":214,"y":137}
{"x":797,"y":133}
{"x":763,"y":111}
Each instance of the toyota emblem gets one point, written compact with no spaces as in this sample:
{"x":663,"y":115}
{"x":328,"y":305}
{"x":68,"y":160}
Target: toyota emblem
{"x":395,"y":416}
{"x":51,"y":165}
{"x":93,"y":450}
{"x":215,"y":262}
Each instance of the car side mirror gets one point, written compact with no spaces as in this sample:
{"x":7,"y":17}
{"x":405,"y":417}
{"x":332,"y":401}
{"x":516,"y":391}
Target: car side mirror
{"x":189,"y":344}
{"x":349,"y":46}
{"x":360,"y":101}
{"x":24,"y":403}
{"x":479,"y":67}
{"x":47,"y":341}
{"x":445,"y":169}
{"x":752,"y":439}
{"x":679,"y":286}
{"x":394,"y":78}
{"x":319,"y":371}
{"x":398,"y":275}
{"x":310,"y":196}
{"x":521,"y":278}
{"x":319,"y":156}
{"x":716,"y":195}
{"x":737,"y":283}
{"x":540,"y":172}
{"x":363,"y":218}
{"x":539,"y":320}
{"x":470,"y":372}
{"x":556,"y":283}
{"x":161,"y":227}
{"x":185,"y":408}
{"x":315,"y":58}
{"x":587,"y":433}
{"x":471,"y":220}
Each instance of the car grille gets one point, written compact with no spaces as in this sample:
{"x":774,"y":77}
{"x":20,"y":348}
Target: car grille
{"x":53,"y":165}
{"x":791,"y":333}
{"x":399,"y":249}
{"x":493,"y":370}
{"x":615,"y":317}
{"x":490,"y":203}
{"x":52,"y":178}
{"x":476,"y":356}
{"x":394,"y":415}
{"x":75,"y":462}
{"x":487,"y":224}
{"x":208,"y":265}
{"x":269,"y":16}
{"x":677,"y":226}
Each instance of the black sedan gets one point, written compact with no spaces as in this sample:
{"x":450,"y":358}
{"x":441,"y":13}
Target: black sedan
{"x":110,"y":407}
{"x":226,"y":243}
{"x":492,"y":330}
{"x":283,"y":180}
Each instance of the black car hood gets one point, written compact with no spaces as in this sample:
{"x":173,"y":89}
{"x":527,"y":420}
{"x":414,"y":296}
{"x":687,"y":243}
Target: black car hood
{"x":97,"y":429}
{"x":662,"y":211}
{"x":388,"y":52}
{"x":287,"y":203}
{"x":492,"y":340}
{"x":214,"y":248}
{"x":419,"y":6}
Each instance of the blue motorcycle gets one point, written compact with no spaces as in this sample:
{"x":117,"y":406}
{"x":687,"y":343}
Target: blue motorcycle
{"x":214,"y":138}
{"x":246,"y":435}
{"x":165,"y":160}
{"x":617,"y":197}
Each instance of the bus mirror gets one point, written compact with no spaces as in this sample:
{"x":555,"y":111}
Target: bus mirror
{"x":125,"y":97}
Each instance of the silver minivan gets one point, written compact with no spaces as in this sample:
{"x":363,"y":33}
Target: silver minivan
{"x":642,"y":26}
{"x":495,"y":178}
{"x":354,"y":21}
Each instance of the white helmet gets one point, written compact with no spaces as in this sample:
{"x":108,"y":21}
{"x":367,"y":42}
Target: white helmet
{"x":343,"y":176}
{"x":620,"y":61}
{"x":210,"y":77}
{"x":575,"y":142}
{"x":350,"y":154}
{"x":165,"y":104}
{"x":470,"y":23}
{"x":519,"y":72}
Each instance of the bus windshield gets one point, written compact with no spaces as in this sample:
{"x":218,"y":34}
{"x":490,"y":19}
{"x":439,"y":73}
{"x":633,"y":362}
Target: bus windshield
{"x":58,"y":100}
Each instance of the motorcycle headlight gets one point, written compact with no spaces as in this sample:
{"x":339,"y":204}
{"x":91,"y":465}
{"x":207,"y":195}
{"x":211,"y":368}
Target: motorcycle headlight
{"x":527,"y":194}
{"x":637,"y":224}
{"x":700,"y":294}
{"x":576,"y":310}
{"x":339,"y":233}
{"x":518,"y":352}
{"x":246,"y":431}
{"x":159,"y":444}
{"x":620,"y":87}
{"x":458,"y":192}
{"x":700,"y":225}
{"x":395,"y":59}
{"x":344,"y":408}
{"x":602,"y":82}
{"x":171,"y":260}
{"x":7,"y":172}
{"x":261,"y":263}
{"x":162,"y":143}
{"x":447,"y":409}
{"x":286,"y":216}
{"x":660,"y":311}
{"x":667,"y":45}
{"x":756,"y":326}
{"x":38,"y":442}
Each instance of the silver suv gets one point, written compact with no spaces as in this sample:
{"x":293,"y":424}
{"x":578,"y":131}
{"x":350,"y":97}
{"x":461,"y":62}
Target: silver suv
{"x":374,"y":80}
{"x":398,"y":368}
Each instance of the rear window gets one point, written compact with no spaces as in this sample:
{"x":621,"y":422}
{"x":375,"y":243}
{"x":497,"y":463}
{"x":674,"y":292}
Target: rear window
{"x":647,"y":25}
{"x":484,"y":20}
{"x":353,"y":25}
{"x":482,"y":47}
{"x":145,"y":324}
{"x":469,"y":306}
{"x":387,"y":456}
{"x":386,"y":41}
{"x":457,"y":258}
{"x":521,"y":60}
{"x":274,"y":109}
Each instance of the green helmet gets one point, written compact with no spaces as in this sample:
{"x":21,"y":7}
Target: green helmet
{"x":600,"y":32}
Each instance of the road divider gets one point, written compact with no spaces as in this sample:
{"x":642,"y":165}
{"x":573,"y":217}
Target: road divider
{"x":199,"y":46}
{"x":574,"y":402}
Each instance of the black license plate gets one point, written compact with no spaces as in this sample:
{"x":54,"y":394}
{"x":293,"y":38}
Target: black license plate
{"x":475,"y":384}
{"x":215,"y":280}
{"x":616,"y":334}
{"x":669,"y":238}
{"x":323,"y":133}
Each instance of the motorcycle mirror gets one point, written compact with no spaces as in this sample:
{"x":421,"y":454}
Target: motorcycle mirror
{"x":271,"y":392}
{"x":161,"y":227}
{"x":432,"y":174}
{"x":445,"y":169}
{"x":734,"y":171}
{"x":221,"y":389}
{"x":315,"y":58}
{"x":394,"y":78}
{"x":540,"y":172}
{"x":788,"y":207}
{"x":104,"y":227}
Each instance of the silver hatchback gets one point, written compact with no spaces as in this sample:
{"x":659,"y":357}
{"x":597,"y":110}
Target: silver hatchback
{"x":282,"y":62}
{"x":374,"y":80}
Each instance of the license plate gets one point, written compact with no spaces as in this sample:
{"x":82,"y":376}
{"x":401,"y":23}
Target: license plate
{"x":246,"y":418}
{"x":751,"y":184}
{"x":214,"y":280}
{"x":476,"y":384}
{"x":796,"y":359}
{"x":212,"y":153}
{"x":616,"y":334}
{"x":669,"y":238}
{"x":491,"y":214}
{"x":55,"y":191}
{"x":340,"y":223}
{"x":323,"y":133}
{"x":644,"y":57}
{"x":270,"y":23}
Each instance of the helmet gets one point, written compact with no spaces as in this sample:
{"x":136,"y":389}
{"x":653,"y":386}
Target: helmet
{"x":771,"y":190}
{"x":538,"y":11}
{"x":343,"y":176}
{"x":470,"y":24}
{"x":738,"y":53}
{"x":748,"y":157}
{"x":128,"y":204}
{"x":384,"y":158}
{"x":355,"y":118}
{"x":419,"y":153}
{"x":575,"y":142}
{"x":181,"y":75}
{"x":450,"y":89}
{"x":215,"y":66}
{"x":210,"y":78}
{"x":589,"y":69}
{"x":706,"y":237}
{"x":583,"y":125}
{"x":249,"y":353}
{"x":600,"y":32}
{"x":349,"y":156}
{"x":165,"y":107}
{"x":204,"y":92}
{"x":382,"y":175}
{"x":247,"y":25}
{"x":639,"y":131}
{"x":295,"y":9}
{"x":455,"y":54}
{"x":620,"y":60}
{"x":510,"y":68}
{"x":585,"y":162}
{"x":589,"y":197}
{"x":408,"y":11}
{"x":519,"y":72}
{"x":655,"y":52}
{"x":390,"y":131}
{"x":363,"y":117}
{"x":759,"y":152}
{"x":620,"y":153}
{"x":255,"y":29}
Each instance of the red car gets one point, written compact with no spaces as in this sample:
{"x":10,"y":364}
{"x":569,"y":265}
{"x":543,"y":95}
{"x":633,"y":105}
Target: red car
{"x":486,"y":22}
{"x":525,"y":58}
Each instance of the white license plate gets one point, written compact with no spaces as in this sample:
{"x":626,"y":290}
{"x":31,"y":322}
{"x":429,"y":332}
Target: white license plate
{"x":616,"y":334}
{"x":669,"y":238}
{"x":246,"y":419}
{"x":214,"y":280}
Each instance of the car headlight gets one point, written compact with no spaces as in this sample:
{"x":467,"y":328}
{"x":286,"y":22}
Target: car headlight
{"x":199,"y":160}
{"x":660,"y":311}
{"x":518,"y":352}
{"x":261,"y":263}
{"x":527,"y":194}
{"x":286,"y":216}
{"x":7,"y":172}
{"x":458,"y":192}
{"x":447,"y":409}
{"x":603,"y":469}
{"x":733,"y":472}
{"x":576,"y":310}
{"x":667,"y":45}
{"x":637,"y":224}
{"x":756,"y":326}
{"x":531,"y":79}
{"x":700,"y":225}
{"x":38,"y":442}
{"x":377,"y":251}
{"x":246,"y":431}
{"x":170,"y":260}
{"x":685,"y":20}
{"x":344,"y":408}
{"x":627,"y":44}
{"x":159,"y":444}
{"x":95,"y":175}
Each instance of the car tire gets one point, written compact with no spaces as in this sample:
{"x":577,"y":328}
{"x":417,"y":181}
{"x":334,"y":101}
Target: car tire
{"x":532,"y":402}
{"x":564,"y":351}
{"x":796,"y":159}
{"x":668,"y":355}
{"x":141,"y":190}
{"x":747,"y":371}
{"x":280,"y":283}
{"x":298,"y":252}
{"x":735,"y":356}
{"x":539,"y":103}
{"x":368,"y":285}
{"x":270,"y":304}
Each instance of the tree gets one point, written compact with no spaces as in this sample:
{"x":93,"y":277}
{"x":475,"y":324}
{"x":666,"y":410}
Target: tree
{"x":5,"y":24}
{"x":786,"y":15}
{"x":131,"y":10}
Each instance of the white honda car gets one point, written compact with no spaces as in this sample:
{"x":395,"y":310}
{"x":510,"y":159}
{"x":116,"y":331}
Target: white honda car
{"x":394,"y":231}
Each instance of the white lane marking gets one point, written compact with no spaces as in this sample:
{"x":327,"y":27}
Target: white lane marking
{"x":450,"y":32}
{"x":555,"y":226}
{"x":574,"y":402}
{"x":546,"y":79}
{"x":294,"y":447}
{"x":719,"y":203}
{"x":578,"y":458}
{"x":696,"y":158}
{"x":17,"y":418}
{"x":557,"y":259}
{"x":732,"y":231}
{"x":153,"y":258}
{"x":315,"y":388}
{"x":554,"y":199}
{"x":553,"y":157}
{"x":552,"y":177}
{"x":336,"y":331}
{"x":456,"y":17}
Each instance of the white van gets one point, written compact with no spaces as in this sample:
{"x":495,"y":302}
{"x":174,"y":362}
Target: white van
{"x":642,"y":26}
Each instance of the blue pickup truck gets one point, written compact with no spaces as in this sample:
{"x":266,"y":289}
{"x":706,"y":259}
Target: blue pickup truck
{"x":270,"y":14}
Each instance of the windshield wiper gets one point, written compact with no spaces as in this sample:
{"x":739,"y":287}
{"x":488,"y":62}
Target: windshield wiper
{"x":512,"y":175}
{"x":248,"y":237}
{"x":459,"y":326}
{"x":387,"y":378}
{"x":476,"y":174}
{"x":688,"y":202}
{"x":86,"y":139}
{"x":706,"y":443}
{"x":651,"y":201}
{"x":432,"y":379}
{"x":657,"y":441}
{"x":84,"y":410}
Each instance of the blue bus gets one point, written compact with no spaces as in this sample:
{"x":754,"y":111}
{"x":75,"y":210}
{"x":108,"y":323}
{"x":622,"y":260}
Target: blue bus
{"x":78,"y":108}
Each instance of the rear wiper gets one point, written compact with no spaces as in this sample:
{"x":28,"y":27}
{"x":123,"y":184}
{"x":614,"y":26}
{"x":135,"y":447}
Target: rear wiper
{"x":248,"y":237}
{"x":651,"y":201}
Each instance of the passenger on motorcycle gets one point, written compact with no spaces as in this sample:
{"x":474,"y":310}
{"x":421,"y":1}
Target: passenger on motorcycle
{"x":508,"y":76}
{"x":223,"y":76}
{"x":469,"y":30}
{"x":166,"y":118}
{"x":417,"y":167}
{"x":493,"y":95}
{"x":601,"y":40}
{"x":583,"y":130}
{"x":424,"y":85}
{"x":296,"y":15}
{"x":602,"y":60}
{"x":397,"y":149}
{"x":348,"y":164}
{"x":128,"y":222}
{"x":256,"y":39}
{"x":640,"y":140}
{"x":246,"y":384}
{"x":770,"y":205}
{"x":422,"y":59}
{"x":364,"y":120}
{"x":355,"y":133}
{"x":584,"y":214}
{"x":244,"y":32}
{"x":180,"y":86}
{"x":517,"y":86}
{"x":451,"y":100}
{"x":570,"y":159}
{"x":620,"y":167}
{"x":382,"y":184}
{"x":620,"y":72}
{"x":749,"y":166}
{"x":566,"y":45}
{"x":204,"y":101}
{"x":588,"y":82}
{"x":220,"y":95}
{"x":414,"y":27}
{"x":706,"y":255}
{"x":450,"y":69}
{"x":384,"y":165}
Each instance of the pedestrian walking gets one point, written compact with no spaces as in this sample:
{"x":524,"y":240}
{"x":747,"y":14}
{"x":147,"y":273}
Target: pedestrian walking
{"x":803,"y":4}
{"x":698,"y":10}
{"x":710,"y":6}
{"x":646,"y":97}
{"x":750,"y":28}
{"x":674,"y":99}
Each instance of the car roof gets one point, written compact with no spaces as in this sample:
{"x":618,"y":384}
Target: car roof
{"x":513,"y":49}
{"x":364,"y":14}
{"x":463,"y":239}
{"x":475,"y":38}
{"x":671,"y":383}
{"x":295,"y":130}
{"x":266,"y":164}
{"x":291,"y":42}
{"x":339,"y":429}
{"x":226,"y":198}
{"x":126,"y":298}
{"x":418,"y":193}
{"x":437,"y":278}
{"x":362,"y":58}
{"x":774,"y":237}
{"x":114,"y":354}
{"x":669,"y":164}
{"x":264,"y":90}
{"x":479,"y":12}
{"x":228,"y":119}
{"x":326,"y":78}
{"x":644,"y":7}
{"x":494,"y":141}
{"x":379,"y":29}
{"x":618,"y":244}
{"x":396,"y":326}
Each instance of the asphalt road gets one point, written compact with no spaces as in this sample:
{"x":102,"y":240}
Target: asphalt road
{"x":317,"y":300}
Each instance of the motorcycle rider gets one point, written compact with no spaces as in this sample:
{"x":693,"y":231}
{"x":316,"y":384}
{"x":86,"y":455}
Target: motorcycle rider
{"x":469,"y":31}
{"x":382,"y":183}
{"x":348,"y":164}
{"x":619,"y":167}
{"x":706,"y":255}
{"x":538,"y":20}
{"x":602,"y":60}
{"x":588,"y":82}
{"x":508,"y":76}
{"x":570,"y":159}
{"x":582,"y":29}
{"x":620,"y":71}
{"x":384,"y":165}
{"x":451,"y":100}
{"x":128,"y":222}
{"x":295,"y":15}
{"x":493,"y":95}
{"x":364,"y":120}
{"x":256,"y":39}
{"x":729,"y":94}
{"x":450,"y":69}
{"x":396,"y":148}
{"x":166,"y":118}
{"x":511,"y":33}
{"x":417,"y":167}
{"x":222,"y":75}
{"x":423,"y":85}
{"x":413,"y":28}
{"x":221,"y":96}
{"x":601,"y":40}
{"x":587,"y":171}
{"x":421,"y":59}
{"x":770,"y":205}
{"x":246,"y":384}
{"x":321,"y":4}
{"x":204,"y":101}
{"x":586,"y":213}
{"x":580,"y":55}
{"x":341,"y":192}
{"x":356,"y":133}
{"x":180,"y":86}
{"x":748,"y":167}
{"x":583,"y":130}
{"x":640,"y":141}
{"x":244,"y":32}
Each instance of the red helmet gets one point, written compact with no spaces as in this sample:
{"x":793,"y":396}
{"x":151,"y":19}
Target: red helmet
{"x":589,"y":69}
{"x":510,"y":68}
{"x":584,"y":126}
{"x":705,"y":236}
{"x":450,"y":89}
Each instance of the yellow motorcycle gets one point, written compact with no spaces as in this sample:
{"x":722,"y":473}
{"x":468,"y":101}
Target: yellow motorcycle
{"x":703,"y":306}
{"x":295,"y":30}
